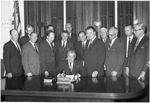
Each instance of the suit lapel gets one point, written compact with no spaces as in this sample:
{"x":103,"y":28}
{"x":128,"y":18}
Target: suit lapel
{"x":93,"y":42}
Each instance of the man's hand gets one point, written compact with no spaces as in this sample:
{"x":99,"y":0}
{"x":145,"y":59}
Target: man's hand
{"x":114,"y":73}
{"x":127,"y":71}
{"x":9,"y":75}
{"x":94,"y":74}
{"x":142,"y":76}
{"x":29,"y":74}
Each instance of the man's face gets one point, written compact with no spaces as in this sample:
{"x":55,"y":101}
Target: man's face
{"x":33,"y":37}
{"x":90,"y":34}
{"x":14,"y":35}
{"x":51,"y":37}
{"x":70,"y":57}
{"x":112,"y":34}
{"x":138,"y":31}
{"x":69,"y":27}
{"x":29,"y":30}
{"x":103,"y":34}
{"x":64,"y":36}
{"x":82,"y":37}
{"x":128,"y":31}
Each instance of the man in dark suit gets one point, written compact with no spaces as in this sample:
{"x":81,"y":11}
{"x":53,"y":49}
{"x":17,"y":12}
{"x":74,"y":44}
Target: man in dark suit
{"x":137,"y":65}
{"x":94,"y":53}
{"x":72,"y":66}
{"x":72,"y":37}
{"x":62,"y":47}
{"x":12,"y":56}
{"x":103,"y":34}
{"x":30,"y":56}
{"x":47,"y":55}
{"x":81,"y":46}
{"x":127,"y":41}
{"x":26,"y":38}
{"x":114,"y":54}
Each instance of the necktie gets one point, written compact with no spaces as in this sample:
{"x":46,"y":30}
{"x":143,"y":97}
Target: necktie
{"x":35,"y":48}
{"x":17,"y":47}
{"x":137,"y":42}
{"x":90,"y":42}
{"x":71,"y":66}
{"x":83,"y":45}
{"x":129,"y":42}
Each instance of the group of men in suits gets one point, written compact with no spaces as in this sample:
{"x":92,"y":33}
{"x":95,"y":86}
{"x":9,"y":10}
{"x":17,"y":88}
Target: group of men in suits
{"x":110,"y":56}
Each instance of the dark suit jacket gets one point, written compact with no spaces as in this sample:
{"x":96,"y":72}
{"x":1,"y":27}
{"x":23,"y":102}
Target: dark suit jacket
{"x":95,"y":57}
{"x":139,"y":57}
{"x":77,"y":68}
{"x":47,"y":58}
{"x":61,"y":53}
{"x":114,"y":57}
{"x":124,"y":41}
{"x":12,"y":59}
{"x":73,"y":38}
{"x":30,"y":59}
{"x":80,"y":51}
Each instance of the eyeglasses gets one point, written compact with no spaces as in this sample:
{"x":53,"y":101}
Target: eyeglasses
{"x":137,"y":30}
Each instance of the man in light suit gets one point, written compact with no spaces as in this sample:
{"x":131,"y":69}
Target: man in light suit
{"x":30,"y":56}
{"x":137,"y":65}
{"x":72,"y":66}
{"x":47,"y":55}
{"x":114,"y":54}
{"x":127,"y":41}
{"x":81,"y":46}
{"x":62,"y":47}
{"x":95,"y":53}
{"x":12,"y":56}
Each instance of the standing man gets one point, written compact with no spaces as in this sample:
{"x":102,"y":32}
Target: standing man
{"x":47,"y":55}
{"x":137,"y":64}
{"x":62,"y":47}
{"x":114,"y":54}
{"x":71,"y":36}
{"x":81,"y":46}
{"x":94,"y":53}
{"x":26,"y":38}
{"x":12,"y":56}
{"x":127,"y":41}
{"x":30,"y":56}
{"x":103,"y":34}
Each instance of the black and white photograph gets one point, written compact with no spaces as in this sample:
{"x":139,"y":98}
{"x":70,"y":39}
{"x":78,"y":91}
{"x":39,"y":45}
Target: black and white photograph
{"x":75,"y":50}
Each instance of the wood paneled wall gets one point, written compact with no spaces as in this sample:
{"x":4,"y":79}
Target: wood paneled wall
{"x":42,"y":13}
{"x":83,"y":13}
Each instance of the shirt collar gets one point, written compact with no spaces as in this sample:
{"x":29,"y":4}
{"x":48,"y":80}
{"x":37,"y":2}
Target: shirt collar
{"x":131,"y":37}
{"x":141,"y":38}
{"x":113,"y":40}
{"x":93,"y":39}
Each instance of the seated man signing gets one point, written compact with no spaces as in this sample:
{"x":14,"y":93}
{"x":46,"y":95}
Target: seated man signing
{"x":71,"y":66}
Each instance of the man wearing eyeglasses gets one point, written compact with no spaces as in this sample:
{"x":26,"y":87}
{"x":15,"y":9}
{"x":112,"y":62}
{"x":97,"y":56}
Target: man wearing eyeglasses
{"x":114,"y":54}
{"x":137,"y":65}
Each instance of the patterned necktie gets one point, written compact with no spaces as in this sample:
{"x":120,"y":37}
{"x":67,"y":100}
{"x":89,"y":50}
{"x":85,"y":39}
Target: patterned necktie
{"x":35,"y":48}
{"x":18,"y":48}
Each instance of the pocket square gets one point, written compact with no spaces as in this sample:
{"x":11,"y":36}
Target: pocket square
{"x":142,"y":47}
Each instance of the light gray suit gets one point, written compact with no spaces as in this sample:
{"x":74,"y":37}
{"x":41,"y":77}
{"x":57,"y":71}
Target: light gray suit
{"x":30,"y":59}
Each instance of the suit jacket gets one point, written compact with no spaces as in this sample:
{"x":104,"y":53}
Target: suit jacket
{"x":114,"y":57}
{"x":124,"y":41}
{"x":12,"y":59}
{"x":80,"y":51}
{"x":47,"y":58}
{"x":61,"y":53}
{"x":30,"y":59}
{"x":95,"y":57}
{"x":139,"y":57}
{"x":73,"y":38}
{"x":77,"y":68}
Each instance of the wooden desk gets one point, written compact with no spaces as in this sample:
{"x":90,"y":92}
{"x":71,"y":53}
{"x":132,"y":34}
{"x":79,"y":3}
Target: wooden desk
{"x":86,"y":90}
